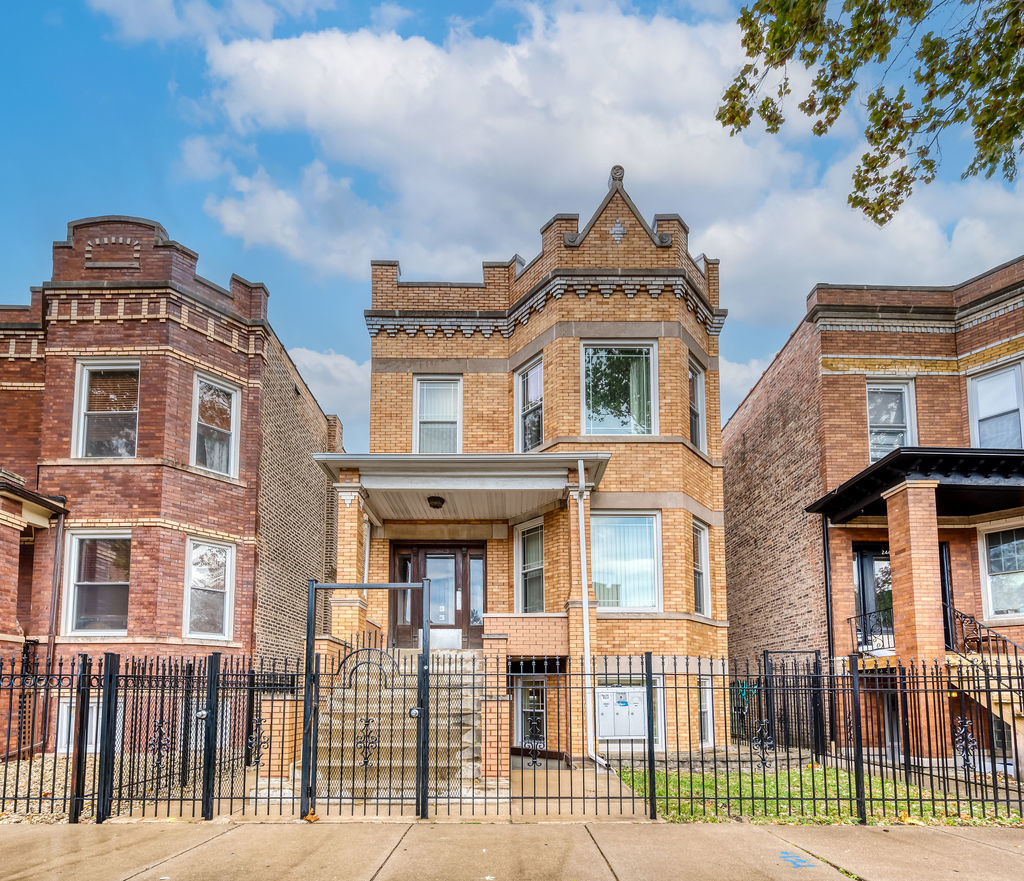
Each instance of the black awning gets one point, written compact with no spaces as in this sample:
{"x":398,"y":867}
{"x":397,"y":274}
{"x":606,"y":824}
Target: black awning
{"x":971,"y":481}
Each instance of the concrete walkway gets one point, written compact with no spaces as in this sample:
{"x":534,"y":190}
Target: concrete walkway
{"x":608,"y":851}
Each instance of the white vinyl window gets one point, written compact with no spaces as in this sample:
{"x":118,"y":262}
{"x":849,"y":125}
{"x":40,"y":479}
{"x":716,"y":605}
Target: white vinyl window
{"x":530,"y":567}
{"x":209,"y":582}
{"x":706,"y":718}
{"x":996,"y":404}
{"x":215,"y":409}
{"x":437,"y":414}
{"x":619,"y":389}
{"x":1002,"y":566}
{"x":531,"y":714}
{"x":890,"y":417}
{"x":107,"y":404}
{"x":701,"y":582}
{"x":626,"y":560}
{"x":530,"y":406}
{"x":698,"y":415}
{"x":99,"y":567}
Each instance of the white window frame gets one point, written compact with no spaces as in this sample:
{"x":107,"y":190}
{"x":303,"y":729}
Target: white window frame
{"x":615,"y":682}
{"x":416,"y":380}
{"x":517,"y":556}
{"x":523,"y":682}
{"x":702,"y":396}
{"x":229,"y":590}
{"x":236,"y":412}
{"x":986,"y":588}
{"x":972,"y":394}
{"x":705,"y":549}
{"x":619,"y":344}
{"x":886,"y":383}
{"x":659,"y":579}
{"x":518,"y":398}
{"x":705,"y":690}
{"x":70,"y":573}
{"x":83,"y":368}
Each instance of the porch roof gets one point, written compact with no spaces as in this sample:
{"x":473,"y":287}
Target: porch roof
{"x":971,"y":482}
{"x":474,"y":486}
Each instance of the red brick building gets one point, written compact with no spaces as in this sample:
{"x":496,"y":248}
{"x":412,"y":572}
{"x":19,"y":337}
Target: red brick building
{"x":874,"y":476}
{"x":158,"y":492}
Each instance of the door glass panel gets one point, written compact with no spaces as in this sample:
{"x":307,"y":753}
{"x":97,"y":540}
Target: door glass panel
{"x":476,"y":591}
{"x":404,"y":597}
{"x":441,"y":572}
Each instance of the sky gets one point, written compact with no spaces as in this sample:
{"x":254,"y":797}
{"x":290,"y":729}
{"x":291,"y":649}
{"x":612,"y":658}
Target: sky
{"x":292,"y":141}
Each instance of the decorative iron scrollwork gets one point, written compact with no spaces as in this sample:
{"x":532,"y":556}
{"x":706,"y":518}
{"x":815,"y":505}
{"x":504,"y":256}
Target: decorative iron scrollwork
{"x":159,"y":744}
{"x":534,"y":740}
{"x":964,"y":742}
{"x":367,"y":740}
{"x":763,"y":743}
{"x":258,"y":741}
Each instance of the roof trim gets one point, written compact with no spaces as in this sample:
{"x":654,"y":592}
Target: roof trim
{"x":660,"y":239}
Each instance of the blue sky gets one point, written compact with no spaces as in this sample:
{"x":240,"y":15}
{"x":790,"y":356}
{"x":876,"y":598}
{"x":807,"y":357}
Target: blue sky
{"x":290,"y":141}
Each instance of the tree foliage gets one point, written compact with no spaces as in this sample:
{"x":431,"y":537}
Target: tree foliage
{"x":926,"y":66}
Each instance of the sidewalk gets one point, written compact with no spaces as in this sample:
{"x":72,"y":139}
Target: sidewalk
{"x":608,"y":851}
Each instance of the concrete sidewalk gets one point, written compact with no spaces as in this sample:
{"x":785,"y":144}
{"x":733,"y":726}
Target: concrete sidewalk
{"x":608,"y":851}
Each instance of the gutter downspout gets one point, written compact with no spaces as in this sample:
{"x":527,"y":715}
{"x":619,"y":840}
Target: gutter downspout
{"x":58,"y":556}
{"x":587,"y":671}
{"x":366,"y":552}
{"x":830,"y":636}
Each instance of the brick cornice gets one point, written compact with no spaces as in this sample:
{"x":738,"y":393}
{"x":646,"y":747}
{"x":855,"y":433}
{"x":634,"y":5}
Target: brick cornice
{"x":909,"y":484}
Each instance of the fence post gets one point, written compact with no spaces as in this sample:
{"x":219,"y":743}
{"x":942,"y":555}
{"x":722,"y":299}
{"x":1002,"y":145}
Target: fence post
{"x":306,"y":800}
{"x":250,"y":709}
{"x":107,"y":736}
{"x":187,"y":709}
{"x":80,"y":733}
{"x":905,"y":727}
{"x":858,"y":745}
{"x":209,"y":715}
{"x":818,"y":710}
{"x":423,"y":727}
{"x":652,"y":794}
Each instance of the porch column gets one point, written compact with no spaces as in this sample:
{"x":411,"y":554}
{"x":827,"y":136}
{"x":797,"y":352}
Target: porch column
{"x":916,"y":577}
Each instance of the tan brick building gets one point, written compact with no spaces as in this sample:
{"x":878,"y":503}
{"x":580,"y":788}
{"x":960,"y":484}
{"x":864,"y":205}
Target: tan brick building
{"x":158,"y":492}
{"x":545,"y":447}
{"x":874,"y":477}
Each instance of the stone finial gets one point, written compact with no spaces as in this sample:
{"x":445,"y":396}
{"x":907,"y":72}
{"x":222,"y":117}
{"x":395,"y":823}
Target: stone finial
{"x":616,"y":176}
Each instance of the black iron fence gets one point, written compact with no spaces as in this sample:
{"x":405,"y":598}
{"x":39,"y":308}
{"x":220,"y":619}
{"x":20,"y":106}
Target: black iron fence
{"x":390,"y":732}
{"x":873,"y":631}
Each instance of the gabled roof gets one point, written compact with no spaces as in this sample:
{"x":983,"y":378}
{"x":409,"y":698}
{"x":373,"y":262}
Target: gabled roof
{"x":660,"y":239}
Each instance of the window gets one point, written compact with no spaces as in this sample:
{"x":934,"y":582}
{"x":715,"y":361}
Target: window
{"x":701,"y":584}
{"x":476,"y":591}
{"x":890,"y":417}
{"x":209,"y":578}
{"x":99,"y":572}
{"x":626,"y":561}
{"x":619,"y":390}
{"x":65,"y":734}
{"x":215,"y":422}
{"x":108,"y":407}
{"x":996,"y":409}
{"x":531,"y":718}
{"x":698,"y":434}
{"x":706,"y":719}
{"x":530,"y":566}
{"x":437,"y":424}
{"x":530,"y":409}
{"x":1003,"y":563}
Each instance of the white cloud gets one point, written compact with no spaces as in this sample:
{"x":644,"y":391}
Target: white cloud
{"x":202,"y":158}
{"x":341,"y":386}
{"x":736,"y":379}
{"x":388,"y":16}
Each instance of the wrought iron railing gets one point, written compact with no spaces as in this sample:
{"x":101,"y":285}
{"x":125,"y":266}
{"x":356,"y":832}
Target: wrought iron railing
{"x":972,"y":638}
{"x":873,"y":631}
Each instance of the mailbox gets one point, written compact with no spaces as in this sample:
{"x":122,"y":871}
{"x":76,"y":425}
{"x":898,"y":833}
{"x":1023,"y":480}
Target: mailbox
{"x":621,"y":712}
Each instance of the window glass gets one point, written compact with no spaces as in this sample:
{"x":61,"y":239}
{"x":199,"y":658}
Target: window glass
{"x":697,"y":407}
{"x":532,"y":721}
{"x":101,"y":584}
{"x":441,"y":572}
{"x":438,"y":416}
{"x":623,"y":561}
{"x":998,"y":410}
{"x":111,"y":403}
{"x":476,"y":590}
{"x":208,"y":586}
{"x":213,"y":427}
{"x":618,"y":390}
{"x":704,"y":707}
{"x":532,"y":550}
{"x":531,"y":402}
{"x":1005,"y":557}
{"x":887,"y":420}
{"x":699,"y":571}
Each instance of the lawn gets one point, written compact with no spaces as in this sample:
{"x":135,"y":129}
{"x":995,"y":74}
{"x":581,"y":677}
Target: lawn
{"x":812,"y":794}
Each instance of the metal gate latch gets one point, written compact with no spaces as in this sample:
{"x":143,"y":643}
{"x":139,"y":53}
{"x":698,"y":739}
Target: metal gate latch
{"x":414,"y":712}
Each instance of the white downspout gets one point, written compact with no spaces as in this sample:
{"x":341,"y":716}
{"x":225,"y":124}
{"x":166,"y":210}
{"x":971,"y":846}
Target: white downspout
{"x":587,"y":672}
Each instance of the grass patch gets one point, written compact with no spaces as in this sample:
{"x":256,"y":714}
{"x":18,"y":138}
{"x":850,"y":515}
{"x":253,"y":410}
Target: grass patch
{"x":812,"y":794}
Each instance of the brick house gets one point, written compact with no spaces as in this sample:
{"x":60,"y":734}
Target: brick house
{"x":158,"y":492}
{"x":545,"y":447}
{"x":874,"y":477}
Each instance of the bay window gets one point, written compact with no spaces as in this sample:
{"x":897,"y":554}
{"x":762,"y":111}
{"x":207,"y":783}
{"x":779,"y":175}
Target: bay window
{"x":437,"y":411}
{"x":108,"y":410}
{"x":701,"y":585}
{"x":619,"y":383}
{"x":890,"y":417}
{"x":1003,"y":568}
{"x":530,"y":406}
{"x":99,"y":569}
{"x":215,"y":426}
{"x":208,"y":589}
{"x":698,"y":417}
{"x":626,"y":560}
{"x":995,"y":401}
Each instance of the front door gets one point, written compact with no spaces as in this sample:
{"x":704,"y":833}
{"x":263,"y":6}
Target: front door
{"x":457,"y":579}
{"x":874,"y":596}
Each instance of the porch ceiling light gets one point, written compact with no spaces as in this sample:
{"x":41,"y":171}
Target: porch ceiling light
{"x":435,"y":501}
